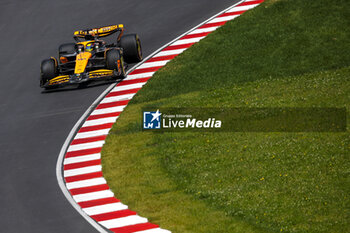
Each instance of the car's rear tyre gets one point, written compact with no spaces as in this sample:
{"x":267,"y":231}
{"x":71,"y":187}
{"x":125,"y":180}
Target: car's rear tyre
{"x":132,"y":50}
{"x":115,"y":61}
{"x":48,"y":70}
{"x":66,"y":49}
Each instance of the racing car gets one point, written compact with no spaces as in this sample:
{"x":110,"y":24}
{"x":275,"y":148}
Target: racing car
{"x":91,"y":59}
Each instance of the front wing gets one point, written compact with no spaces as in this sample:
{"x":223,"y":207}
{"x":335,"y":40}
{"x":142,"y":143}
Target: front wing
{"x":96,"y":75}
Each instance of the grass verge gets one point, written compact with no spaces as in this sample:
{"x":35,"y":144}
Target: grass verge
{"x":281,"y":54}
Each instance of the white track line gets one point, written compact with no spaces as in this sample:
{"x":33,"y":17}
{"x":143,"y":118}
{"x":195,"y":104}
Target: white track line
{"x":81,"y":171}
{"x":188,"y":41}
{"x":84,"y":146}
{"x":86,"y":183}
{"x":155,"y":230}
{"x":82,"y":158}
{"x":202,"y":30}
{"x":107,"y":208}
{"x":127,"y":87}
{"x":122,"y":222}
{"x":153,"y":64}
{"x":100,"y":121}
{"x":242,"y":8}
{"x":223,"y":19}
{"x":92,"y":133}
{"x":108,"y":110}
{"x":117,"y":98}
{"x":137,"y":76}
{"x":93,"y":196}
{"x":169,"y":52}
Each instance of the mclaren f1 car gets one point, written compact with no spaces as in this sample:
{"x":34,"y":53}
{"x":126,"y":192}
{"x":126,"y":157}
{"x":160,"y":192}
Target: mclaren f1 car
{"x":91,"y":59}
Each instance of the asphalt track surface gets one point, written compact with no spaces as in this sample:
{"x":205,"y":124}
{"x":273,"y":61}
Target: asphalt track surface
{"x":35,"y":124}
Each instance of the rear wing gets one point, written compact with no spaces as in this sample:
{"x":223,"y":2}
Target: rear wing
{"x":89,"y":34}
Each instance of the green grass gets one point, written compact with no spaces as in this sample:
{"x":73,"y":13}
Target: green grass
{"x":283,"y":39}
{"x":282,"y":54}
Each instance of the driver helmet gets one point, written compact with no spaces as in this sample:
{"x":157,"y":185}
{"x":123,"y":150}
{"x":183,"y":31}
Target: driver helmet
{"x":89,"y":47}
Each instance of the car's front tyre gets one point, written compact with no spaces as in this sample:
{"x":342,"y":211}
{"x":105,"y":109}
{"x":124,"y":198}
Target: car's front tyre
{"x":48,"y":70}
{"x":115,"y":61}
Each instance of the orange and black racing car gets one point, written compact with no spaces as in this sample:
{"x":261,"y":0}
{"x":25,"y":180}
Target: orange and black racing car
{"x":91,"y":59}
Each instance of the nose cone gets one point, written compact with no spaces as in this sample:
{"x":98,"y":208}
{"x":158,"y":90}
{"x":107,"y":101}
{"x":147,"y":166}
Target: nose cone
{"x":81,"y":62}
